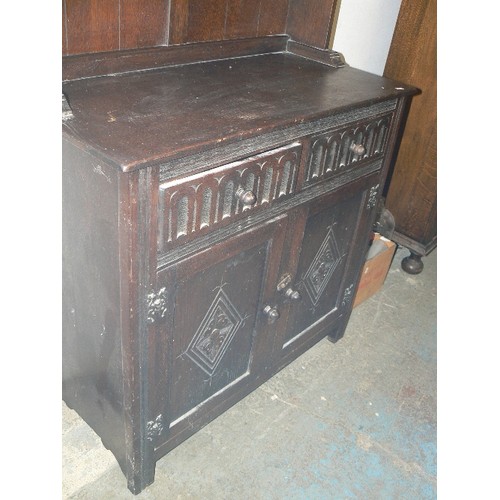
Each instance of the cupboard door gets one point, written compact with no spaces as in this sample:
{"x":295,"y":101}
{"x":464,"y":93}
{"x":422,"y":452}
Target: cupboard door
{"x":216,"y":337}
{"x":335,"y":230}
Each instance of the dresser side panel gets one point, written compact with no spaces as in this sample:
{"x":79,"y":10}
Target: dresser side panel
{"x":91,"y":340}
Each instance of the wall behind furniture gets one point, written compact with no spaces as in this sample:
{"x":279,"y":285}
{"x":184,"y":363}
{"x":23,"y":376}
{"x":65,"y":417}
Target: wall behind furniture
{"x":364,"y":32}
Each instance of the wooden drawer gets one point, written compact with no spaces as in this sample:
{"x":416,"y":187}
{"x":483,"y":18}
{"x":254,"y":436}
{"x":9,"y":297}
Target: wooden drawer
{"x":192,"y":206}
{"x":342,"y":149}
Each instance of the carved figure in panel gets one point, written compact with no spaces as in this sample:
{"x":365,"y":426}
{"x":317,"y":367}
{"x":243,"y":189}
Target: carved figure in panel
{"x":215,"y":333}
{"x":322,"y":267}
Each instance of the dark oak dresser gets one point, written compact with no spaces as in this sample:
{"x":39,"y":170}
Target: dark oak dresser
{"x":218,"y":200}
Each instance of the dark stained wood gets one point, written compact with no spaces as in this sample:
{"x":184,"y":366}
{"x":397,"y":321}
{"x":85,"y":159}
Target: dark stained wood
{"x":153,"y":117}
{"x":195,"y":21}
{"x":212,"y":231}
{"x":229,"y":345}
{"x":323,"y":260}
{"x":242,"y":18}
{"x":92,"y":25}
{"x":329,"y":57}
{"x":412,"y":192}
{"x":274,"y":22}
{"x":310,"y":21}
{"x":335,"y":152}
{"x":178,"y":22}
{"x":206,"y":206}
{"x":92,"y":341}
{"x":326,"y":293}
{"x":89,"y":65}
{"x":207,"y":20}
{"x":412,"y":264}
{"x":104,"y":25}
{"x":306,"y":21}
{"x":143,"y":23}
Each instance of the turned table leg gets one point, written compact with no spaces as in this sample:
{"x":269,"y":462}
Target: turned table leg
{"x":412,"y":264}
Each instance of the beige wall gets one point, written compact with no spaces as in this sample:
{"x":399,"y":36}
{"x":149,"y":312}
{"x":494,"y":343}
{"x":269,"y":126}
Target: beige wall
{"x":364,"y":32}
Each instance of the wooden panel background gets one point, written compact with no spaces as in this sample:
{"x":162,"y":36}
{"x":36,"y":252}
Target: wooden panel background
{"x":103,"y":25}
{"x":274,"y":20}
{"x":196,"y":21}
{"x":143,"y":23}
{"x":310,"y":21}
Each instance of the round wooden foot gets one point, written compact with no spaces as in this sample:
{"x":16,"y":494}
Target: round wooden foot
{"x":412,"y":264}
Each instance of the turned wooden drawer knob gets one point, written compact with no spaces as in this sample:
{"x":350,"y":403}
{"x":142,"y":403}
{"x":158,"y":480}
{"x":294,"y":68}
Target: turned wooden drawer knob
{"x":272,"y":314}
{"x":248,"y":198}
{"x":292,"y":294}
{"x":358,"y":149}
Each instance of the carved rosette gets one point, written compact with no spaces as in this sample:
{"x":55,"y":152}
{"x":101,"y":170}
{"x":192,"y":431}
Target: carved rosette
{"x":154,"y":428}
{"x":372,"y":197}
{"x":156,"y":306}
{"x":348,"y":295}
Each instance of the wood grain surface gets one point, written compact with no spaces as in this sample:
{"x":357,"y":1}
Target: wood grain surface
{"x":412,"y":192}
{"x":105,"y":25}
{"x":143,"y":117}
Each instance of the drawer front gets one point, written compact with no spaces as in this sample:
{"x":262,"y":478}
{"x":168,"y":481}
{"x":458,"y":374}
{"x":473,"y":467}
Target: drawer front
{"x":192,"y":206}
{"x":340,"y":150}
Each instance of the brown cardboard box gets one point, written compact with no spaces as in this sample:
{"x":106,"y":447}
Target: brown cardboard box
{"x":375,"y":269}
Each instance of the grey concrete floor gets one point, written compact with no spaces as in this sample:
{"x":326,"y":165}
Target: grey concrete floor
{"x":356,"y":419}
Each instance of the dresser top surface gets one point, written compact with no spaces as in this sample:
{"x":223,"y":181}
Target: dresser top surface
{"x":137,"y":118}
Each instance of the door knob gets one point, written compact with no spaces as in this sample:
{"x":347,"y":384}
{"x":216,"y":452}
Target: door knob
{"x":358,"y":149}
{"x":292,"y":294}
{"x":272,"y":314}
{"x":248,"y":198}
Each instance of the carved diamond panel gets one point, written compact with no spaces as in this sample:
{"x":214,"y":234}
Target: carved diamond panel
{"x":322,"y":267}
{"x":215,"y":333}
